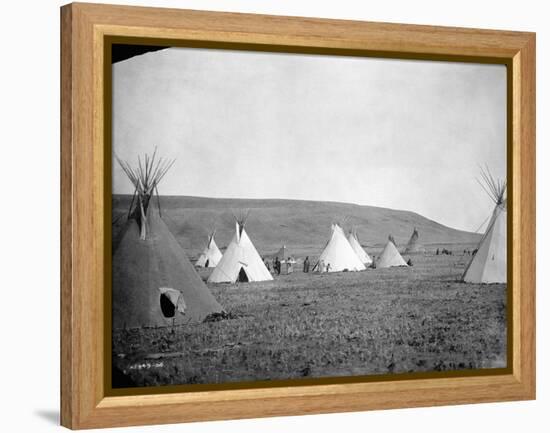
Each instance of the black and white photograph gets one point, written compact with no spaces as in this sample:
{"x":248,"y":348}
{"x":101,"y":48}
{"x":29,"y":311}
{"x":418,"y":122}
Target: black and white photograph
{"x":281,"y":216}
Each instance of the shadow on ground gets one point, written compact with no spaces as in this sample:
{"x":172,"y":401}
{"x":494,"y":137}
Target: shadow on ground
{"x":49,"y":415}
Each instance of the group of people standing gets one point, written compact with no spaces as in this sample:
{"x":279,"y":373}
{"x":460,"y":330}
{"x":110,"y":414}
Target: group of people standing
{"x":276,"y":266}
{"x":323,"y":267}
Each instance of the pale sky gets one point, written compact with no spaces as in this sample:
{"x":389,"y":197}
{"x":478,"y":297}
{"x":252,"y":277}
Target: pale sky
{"x":400,"y":134}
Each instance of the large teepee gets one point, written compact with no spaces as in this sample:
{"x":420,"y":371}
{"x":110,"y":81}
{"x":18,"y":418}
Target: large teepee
{"x":488,"y":265}
{"x":154,"y":283}
{"x":338,"y":254}
{"x":390,"y":256}
{"x":211,"y":255}
{"x":414,"y":245}
{"x":361,"y":253}
{"x":240,"y":262}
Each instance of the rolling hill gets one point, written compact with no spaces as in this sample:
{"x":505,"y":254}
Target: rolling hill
{"x":304,"y":226}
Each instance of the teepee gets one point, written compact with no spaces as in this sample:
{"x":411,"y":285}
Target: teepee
{"x":488,"y":265}
{"x":211,"y":255}
{"x":283,"y":255}
{"x":414,"y":246}
{"x":390,"y":256}
{"x":153,"y":281}
{"x":338,"y":254}
{"x":361,"y":253}
{"x":240,"y":262}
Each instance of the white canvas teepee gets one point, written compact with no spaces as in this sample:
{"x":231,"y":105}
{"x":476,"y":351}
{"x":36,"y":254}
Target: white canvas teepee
{"x":211,"y":255}
{"x":240,"y":262}
{"x":390,"y":256}
{"x":361,"y":253}
{"x":338,"y":254}
{"x":488,"y":265}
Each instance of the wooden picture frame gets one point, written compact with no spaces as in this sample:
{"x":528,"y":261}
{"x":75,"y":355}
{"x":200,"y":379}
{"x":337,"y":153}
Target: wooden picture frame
{"x":85,"y":402}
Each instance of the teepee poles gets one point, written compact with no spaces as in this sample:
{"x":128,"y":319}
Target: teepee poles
{"x":495,"y":188}
{"x":145,"y":177}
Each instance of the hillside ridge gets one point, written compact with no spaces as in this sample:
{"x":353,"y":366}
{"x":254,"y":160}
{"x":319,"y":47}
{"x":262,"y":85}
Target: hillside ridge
{"x":302,"y":225}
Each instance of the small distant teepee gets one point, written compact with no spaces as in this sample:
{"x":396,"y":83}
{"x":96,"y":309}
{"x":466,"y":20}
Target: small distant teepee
{"x":338,"y":255}
{"x":488,"y":265}
{"x":211,"y":255}
{"x":153,"y":281}
{"x":390,"y":256}
{"x":414,"y":246}
{"x":241,"y":261}
{"x":283,"y":255}
{"x":356,"y":245}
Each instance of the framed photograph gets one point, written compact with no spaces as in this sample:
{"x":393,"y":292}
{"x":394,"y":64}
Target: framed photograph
{"x":267,"y":216}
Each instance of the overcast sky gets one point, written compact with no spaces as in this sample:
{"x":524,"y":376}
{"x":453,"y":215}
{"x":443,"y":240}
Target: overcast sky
{"x":393,"y":133}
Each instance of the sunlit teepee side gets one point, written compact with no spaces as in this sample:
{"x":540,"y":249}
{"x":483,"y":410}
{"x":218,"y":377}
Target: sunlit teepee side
{"x":390,"y":256}
{"x":338,"y":255}
{"x":356,"y":245}
{"x":211,"y":255}
{"x":240,"y":261}
{"x":488,"y":265}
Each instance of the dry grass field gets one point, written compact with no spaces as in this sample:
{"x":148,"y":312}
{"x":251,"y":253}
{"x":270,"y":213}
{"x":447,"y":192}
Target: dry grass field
{"x":378,"y":321}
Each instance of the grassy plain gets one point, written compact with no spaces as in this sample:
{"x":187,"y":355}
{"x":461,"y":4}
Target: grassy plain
{"x":379,"y":321}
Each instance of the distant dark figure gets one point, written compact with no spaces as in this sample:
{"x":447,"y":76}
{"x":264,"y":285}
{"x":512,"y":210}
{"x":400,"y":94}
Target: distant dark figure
{"x":409,"y":262}
{"x":328,"y":267}
{"x":306,"y":265}
{"x":437,"y":252}
{"x":474,"y":252}
{"x":277,"y":266}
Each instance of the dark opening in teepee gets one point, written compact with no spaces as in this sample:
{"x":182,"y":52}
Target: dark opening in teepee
{"x":243,"y":278}
{"x":167,"y":306}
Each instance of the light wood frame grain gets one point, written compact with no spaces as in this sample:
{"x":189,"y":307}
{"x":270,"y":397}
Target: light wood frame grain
{"x":84,"y":403}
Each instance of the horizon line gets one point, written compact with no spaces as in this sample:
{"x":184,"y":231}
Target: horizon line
{"x":305,"y":200}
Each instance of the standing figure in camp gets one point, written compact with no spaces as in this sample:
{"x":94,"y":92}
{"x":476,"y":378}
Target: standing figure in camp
{"x":267,"y":265}
{"x":306,"y":265}
{"x":289,"y":268}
